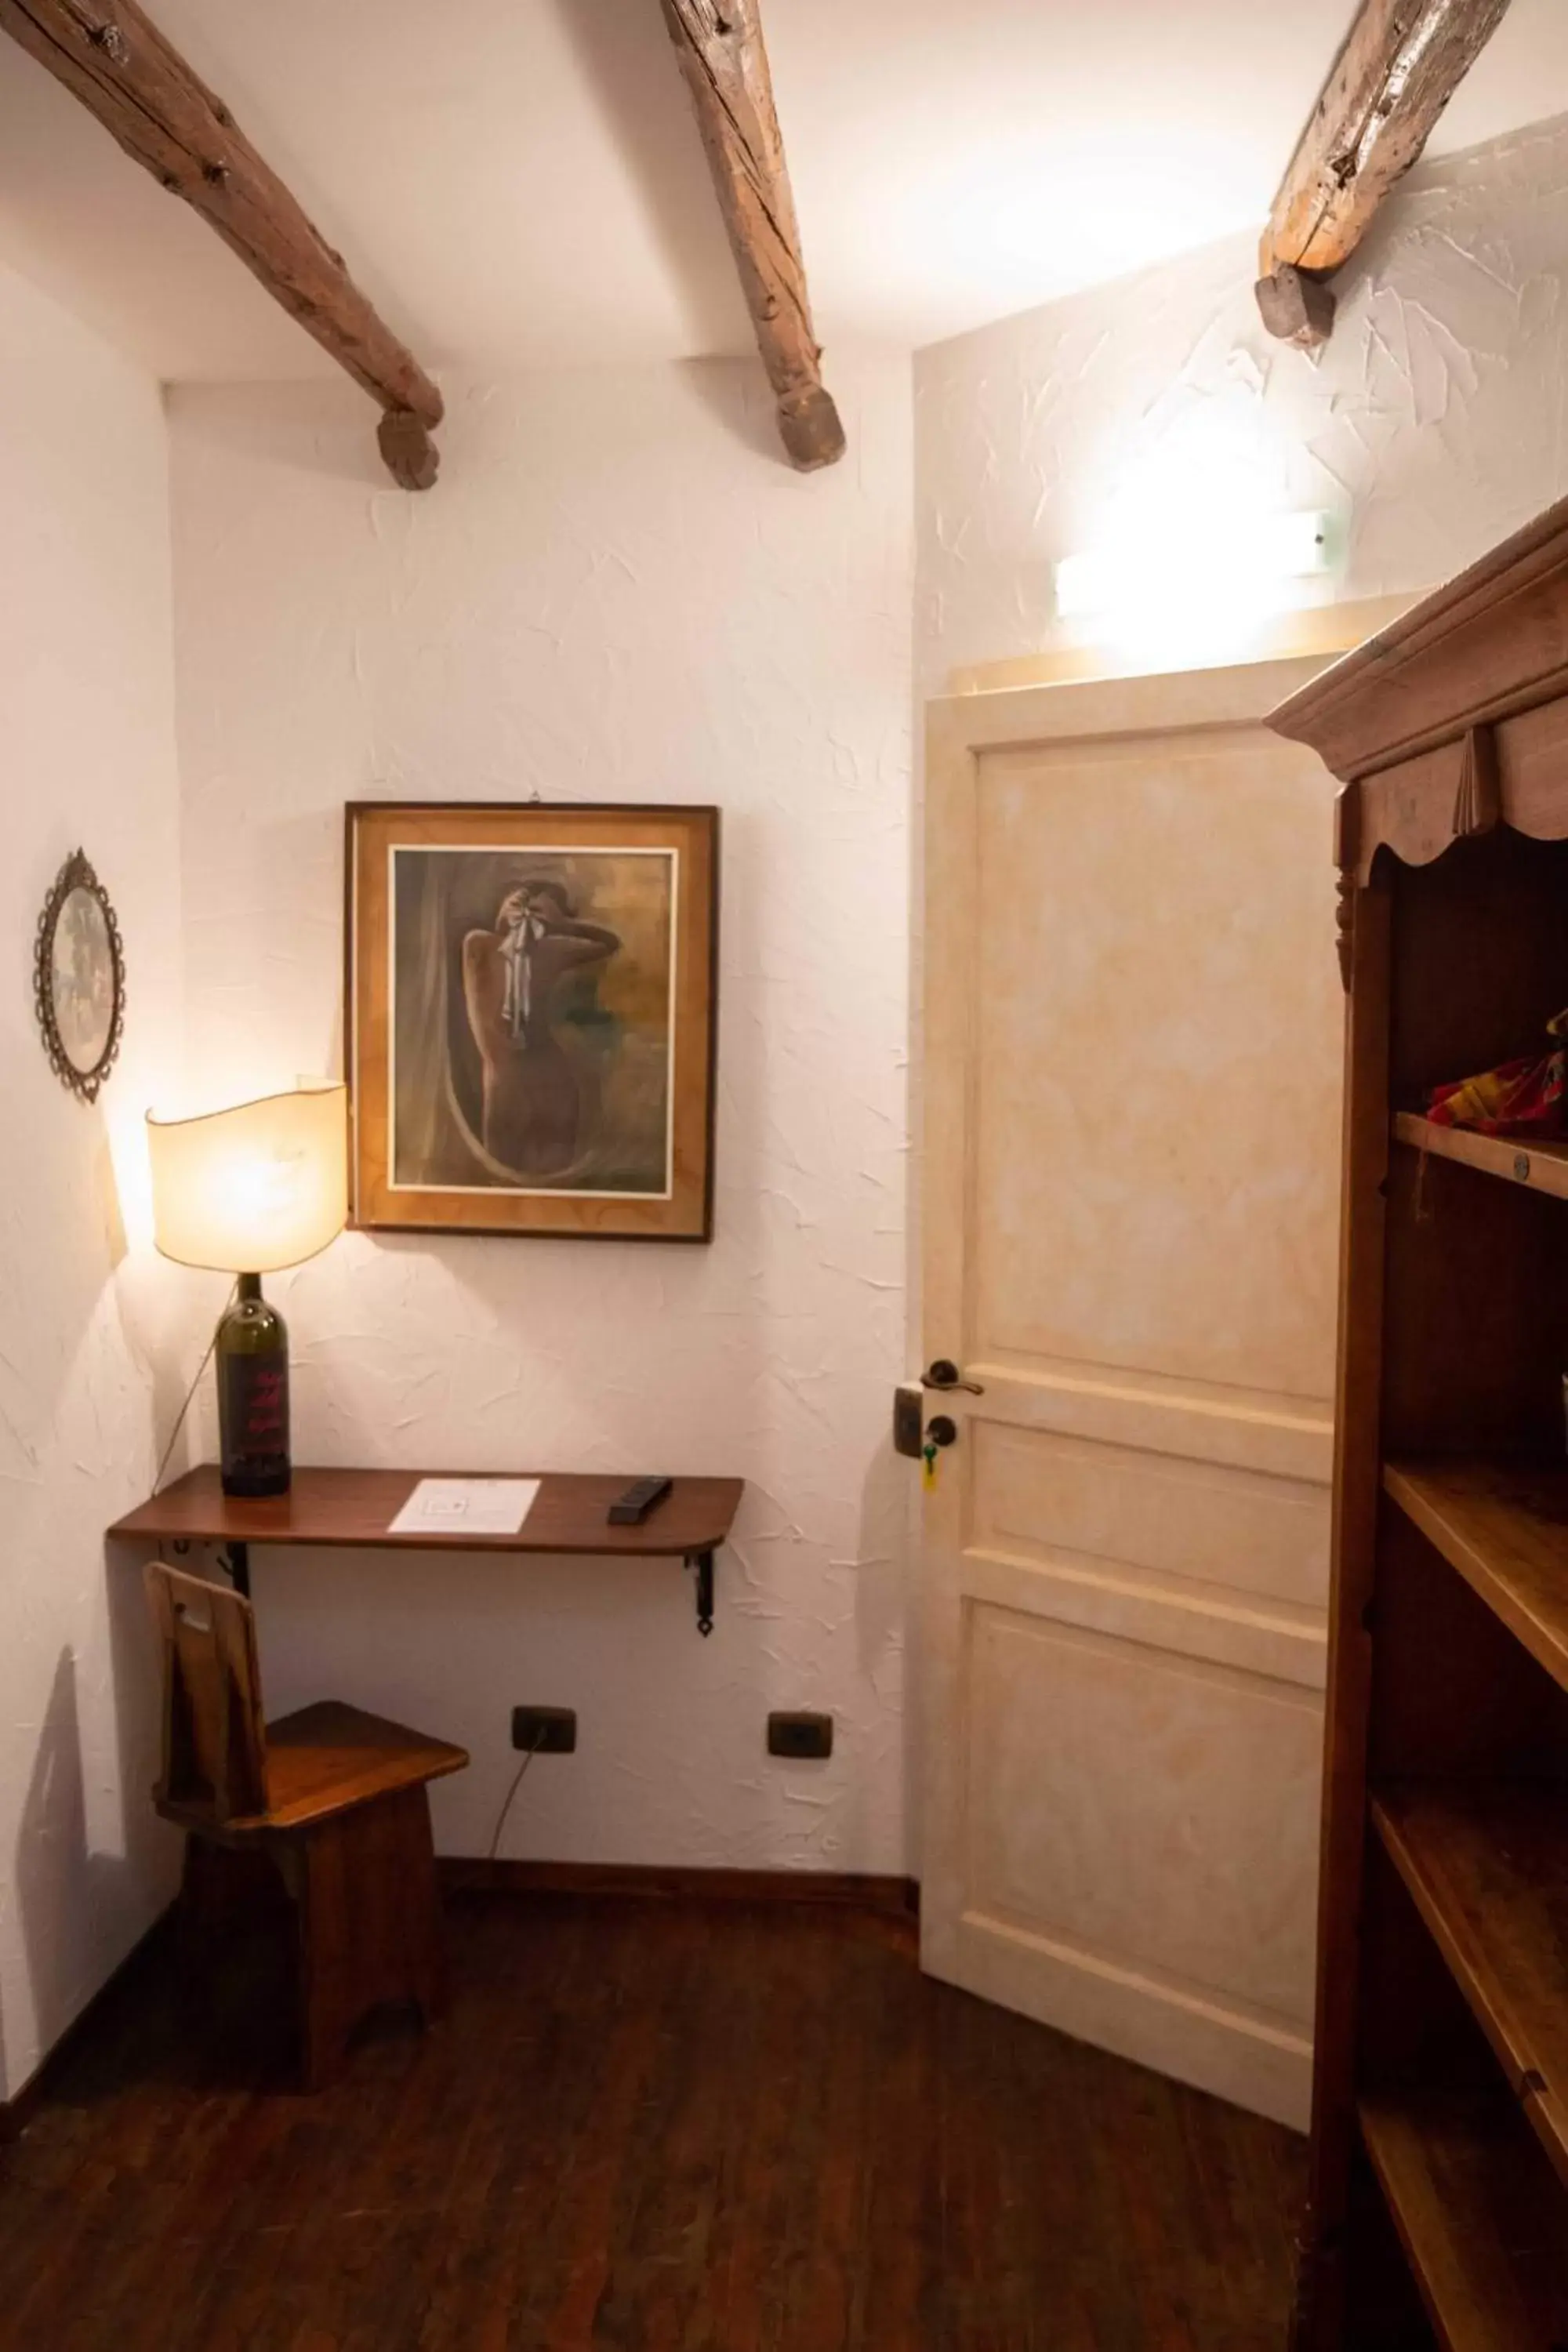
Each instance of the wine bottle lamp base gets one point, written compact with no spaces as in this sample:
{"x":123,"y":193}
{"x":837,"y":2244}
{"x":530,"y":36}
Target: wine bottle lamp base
{"x":252,"y":1358}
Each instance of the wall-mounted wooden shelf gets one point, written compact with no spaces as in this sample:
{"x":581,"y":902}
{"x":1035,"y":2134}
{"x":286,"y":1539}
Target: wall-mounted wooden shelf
{"x":358,"y":1507}
{"x":1479,"y":2215}
{"x":1518,"y":1159}
{"x":1487,"y":1864}
{"x":1504,"y":1526}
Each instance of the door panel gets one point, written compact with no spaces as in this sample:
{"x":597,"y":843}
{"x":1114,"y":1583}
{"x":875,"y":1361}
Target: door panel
{"x":1035,"y":1490}
{"x":1131,"y":1084}
{"x":1154,"y":1156}
{"x":1051,"y":1799}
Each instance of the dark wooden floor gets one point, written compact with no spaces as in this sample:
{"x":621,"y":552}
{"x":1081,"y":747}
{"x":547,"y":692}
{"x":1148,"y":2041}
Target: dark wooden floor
{"x":655,"y":2126}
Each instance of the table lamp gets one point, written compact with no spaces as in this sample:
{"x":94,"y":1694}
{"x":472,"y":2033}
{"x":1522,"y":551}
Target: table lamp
{"x":248,"y":1191}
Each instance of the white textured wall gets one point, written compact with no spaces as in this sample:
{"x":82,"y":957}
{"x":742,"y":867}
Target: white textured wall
{"x":86,"y":1315}
{"x":618,"y":591}
{"x":1435,"y":416}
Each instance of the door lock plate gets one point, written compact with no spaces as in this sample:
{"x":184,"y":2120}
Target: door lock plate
{"x":909,"y":1419}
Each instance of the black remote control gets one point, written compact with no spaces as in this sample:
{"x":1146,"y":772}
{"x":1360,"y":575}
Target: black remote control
{"x":630,"y":1509}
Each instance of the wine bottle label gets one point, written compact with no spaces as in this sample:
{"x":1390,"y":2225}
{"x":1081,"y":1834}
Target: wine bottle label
{"x":256,"y":1406}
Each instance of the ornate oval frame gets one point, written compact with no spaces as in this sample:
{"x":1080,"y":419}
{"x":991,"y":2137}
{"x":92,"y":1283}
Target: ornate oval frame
{"x":76,"y":874}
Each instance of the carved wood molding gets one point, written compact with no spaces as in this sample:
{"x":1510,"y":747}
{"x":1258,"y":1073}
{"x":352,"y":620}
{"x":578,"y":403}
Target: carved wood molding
{"x":1456,"y":793}
{"x":1492,"y":644}
{"x":1347,"y":826}
{"x":1344,"y":923}
{"x":1478,"y":803}
{"x":113,"y":58}
{"x":1412,"y":811}
{"x":1488,"y":779}
{"x":1347,"y":857}
{"x":1416,"y":813}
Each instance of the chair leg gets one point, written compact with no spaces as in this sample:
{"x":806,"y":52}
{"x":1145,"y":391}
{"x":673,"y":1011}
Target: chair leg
{"x":197,"y":1917}
{"x":222,"y":1892}
{"x":369,"y":1928}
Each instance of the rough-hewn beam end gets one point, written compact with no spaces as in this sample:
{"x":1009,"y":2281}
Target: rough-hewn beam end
{"x":1395,"y":73}
{"x":412,"y":458}
{"x":810,"y":429}
{"x":1297,"y":308}
{"x":725,"y":64}
{"x":112,"y":58}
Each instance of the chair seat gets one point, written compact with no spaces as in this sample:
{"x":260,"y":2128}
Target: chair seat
{"x":325,"y":1759}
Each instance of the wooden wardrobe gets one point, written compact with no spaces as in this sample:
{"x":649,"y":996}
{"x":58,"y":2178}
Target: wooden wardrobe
{"x":1440,"y":2164}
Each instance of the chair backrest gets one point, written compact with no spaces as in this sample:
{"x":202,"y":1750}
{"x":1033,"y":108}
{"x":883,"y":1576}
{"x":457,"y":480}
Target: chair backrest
{"x":214,"y":1738}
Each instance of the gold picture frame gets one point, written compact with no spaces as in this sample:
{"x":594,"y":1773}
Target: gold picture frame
{"x":79,"y":979}
{"x":531,"y":1017}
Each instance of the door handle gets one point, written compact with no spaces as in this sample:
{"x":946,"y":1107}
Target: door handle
{"x":943,"y":1374}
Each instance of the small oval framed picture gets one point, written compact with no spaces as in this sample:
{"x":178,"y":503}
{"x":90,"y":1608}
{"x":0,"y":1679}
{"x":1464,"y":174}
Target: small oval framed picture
{"x":79,"y":979}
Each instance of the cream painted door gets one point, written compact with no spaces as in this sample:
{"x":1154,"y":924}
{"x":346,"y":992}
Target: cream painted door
{"x":1131,"y":1070}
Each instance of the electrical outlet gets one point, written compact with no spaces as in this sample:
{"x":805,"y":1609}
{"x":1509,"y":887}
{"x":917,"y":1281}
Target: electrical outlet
{"x":544,"y":1730}
{"x":800,"y":1734}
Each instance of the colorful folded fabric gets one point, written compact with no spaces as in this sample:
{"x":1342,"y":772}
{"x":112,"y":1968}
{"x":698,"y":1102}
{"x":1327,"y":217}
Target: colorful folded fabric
{"x":1529,"y":1093}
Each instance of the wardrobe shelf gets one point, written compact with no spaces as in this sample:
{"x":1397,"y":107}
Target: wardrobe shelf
{"x":1487,"y":1864}
{"x":1542,"y":1166}
{"x":1482,"y":2222}
{"x":1504,"y":1526}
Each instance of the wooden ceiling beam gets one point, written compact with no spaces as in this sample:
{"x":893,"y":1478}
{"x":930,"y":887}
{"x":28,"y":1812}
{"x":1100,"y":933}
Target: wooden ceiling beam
{"x":116,"y":61}
{"x":1401,"y":63}
{"x":719,"y":45}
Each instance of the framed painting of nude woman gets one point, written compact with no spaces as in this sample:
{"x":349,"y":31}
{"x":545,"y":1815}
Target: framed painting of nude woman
{"x":531,"y":1017}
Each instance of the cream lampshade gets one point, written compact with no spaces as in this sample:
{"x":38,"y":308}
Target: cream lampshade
{"x":256,"y":1188}
{"x":247,"y":1192}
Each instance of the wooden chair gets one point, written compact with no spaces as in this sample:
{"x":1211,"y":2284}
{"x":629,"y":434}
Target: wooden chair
{"x":335,"y":1799}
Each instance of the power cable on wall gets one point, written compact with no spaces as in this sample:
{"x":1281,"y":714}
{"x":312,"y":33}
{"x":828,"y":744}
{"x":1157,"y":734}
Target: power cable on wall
{"x":190,"y":1393}
{"x":506,"y":1807}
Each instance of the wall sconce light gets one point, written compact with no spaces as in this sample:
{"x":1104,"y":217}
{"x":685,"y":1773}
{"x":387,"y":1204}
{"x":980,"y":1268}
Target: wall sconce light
{"x":1231,"y":559}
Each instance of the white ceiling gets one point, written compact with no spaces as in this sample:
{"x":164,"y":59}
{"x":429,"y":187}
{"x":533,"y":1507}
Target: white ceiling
{"x":518,"y":182}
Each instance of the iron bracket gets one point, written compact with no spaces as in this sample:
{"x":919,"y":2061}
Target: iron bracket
{"x":702,"y":1561}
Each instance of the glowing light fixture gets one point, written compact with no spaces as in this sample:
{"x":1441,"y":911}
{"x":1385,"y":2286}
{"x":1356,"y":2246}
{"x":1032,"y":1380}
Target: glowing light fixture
{"x":248,"y":1191}
{"x":255,"y":1188}
{"x":1234,"y":559}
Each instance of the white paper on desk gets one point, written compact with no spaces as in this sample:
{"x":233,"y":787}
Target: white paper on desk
{"x":466,"y":1506}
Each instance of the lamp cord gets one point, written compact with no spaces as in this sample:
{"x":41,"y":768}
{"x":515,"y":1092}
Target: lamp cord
{"x":190,"y":1392}
{"x":506,"y":1808}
